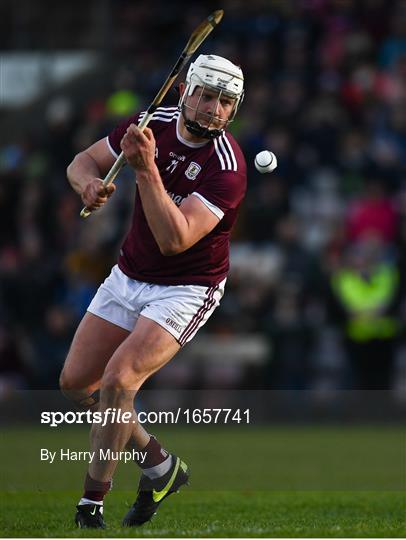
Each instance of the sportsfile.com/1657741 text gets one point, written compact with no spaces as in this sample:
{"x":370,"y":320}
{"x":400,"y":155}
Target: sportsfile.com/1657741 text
{"x":178,"y":416}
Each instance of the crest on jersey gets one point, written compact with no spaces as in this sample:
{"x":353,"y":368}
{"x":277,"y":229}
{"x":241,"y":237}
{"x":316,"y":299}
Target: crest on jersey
{"x":193,"y":170}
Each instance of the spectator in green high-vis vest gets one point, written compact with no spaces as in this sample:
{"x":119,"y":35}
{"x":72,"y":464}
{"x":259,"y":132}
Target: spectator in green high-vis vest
{"x":366,"y":293}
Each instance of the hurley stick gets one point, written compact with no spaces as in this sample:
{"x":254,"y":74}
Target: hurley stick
{"x":195,"y":40}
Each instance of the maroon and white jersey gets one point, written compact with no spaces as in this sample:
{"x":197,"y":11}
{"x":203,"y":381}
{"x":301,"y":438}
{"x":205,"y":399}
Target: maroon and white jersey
{"x":213,"y":171}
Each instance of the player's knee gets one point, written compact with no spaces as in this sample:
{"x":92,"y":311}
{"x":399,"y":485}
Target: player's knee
{"x":123,"y":379}
{"x":66,"y":381}
{"x":71,"y":388}
{"x":113,"y":381}
{"x":70,"y":382}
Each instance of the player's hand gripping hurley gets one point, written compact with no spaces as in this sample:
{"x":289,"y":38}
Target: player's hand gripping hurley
{"x":195,"y":40}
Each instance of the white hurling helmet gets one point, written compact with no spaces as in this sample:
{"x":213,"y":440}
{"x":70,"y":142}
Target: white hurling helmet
{"x":218,"y":74}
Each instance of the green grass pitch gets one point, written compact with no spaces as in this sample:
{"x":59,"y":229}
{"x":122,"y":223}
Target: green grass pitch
{"x":246,"y":482}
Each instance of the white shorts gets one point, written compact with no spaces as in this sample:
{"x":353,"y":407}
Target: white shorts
{"x":180,"y":309}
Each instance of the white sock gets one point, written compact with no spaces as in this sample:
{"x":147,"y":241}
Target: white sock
{"x":83,"y":500}
{"x":158,"y":470}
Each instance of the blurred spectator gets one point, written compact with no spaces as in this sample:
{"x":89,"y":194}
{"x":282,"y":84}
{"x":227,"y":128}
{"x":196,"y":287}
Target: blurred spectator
{"x":289,"y":317}
{"x":366,"y":292}
{"x":14,"y":373}
{"x":394,"y":44}
{"x":50,"y":345}
{"x":373,"y":213}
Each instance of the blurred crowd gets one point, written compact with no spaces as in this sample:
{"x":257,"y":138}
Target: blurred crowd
{"x":318,"y":257}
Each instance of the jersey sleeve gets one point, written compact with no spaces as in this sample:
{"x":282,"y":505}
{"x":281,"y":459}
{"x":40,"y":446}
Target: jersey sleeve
{"x":115,"y":136}
{"x":224,"y":190}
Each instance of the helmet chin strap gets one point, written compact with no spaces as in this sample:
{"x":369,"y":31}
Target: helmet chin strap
{"x":198,"y":130}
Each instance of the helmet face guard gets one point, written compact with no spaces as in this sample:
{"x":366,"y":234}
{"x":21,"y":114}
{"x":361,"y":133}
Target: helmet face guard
{"x":218,"y":75}
{"x":195,"y":117}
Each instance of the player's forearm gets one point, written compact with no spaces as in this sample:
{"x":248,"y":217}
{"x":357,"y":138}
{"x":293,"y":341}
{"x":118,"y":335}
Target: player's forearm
{"x":82,"y":171}
{"x":167,"y":223}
